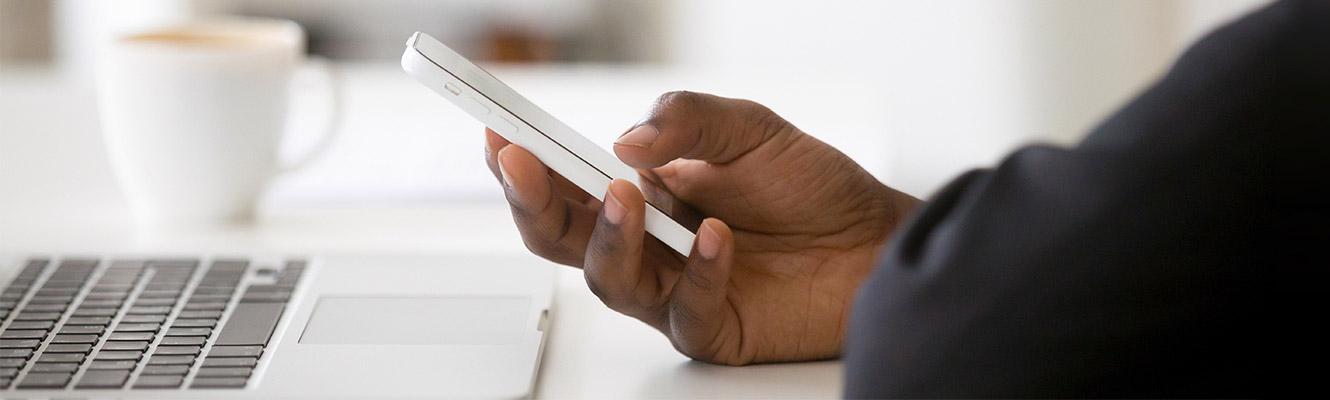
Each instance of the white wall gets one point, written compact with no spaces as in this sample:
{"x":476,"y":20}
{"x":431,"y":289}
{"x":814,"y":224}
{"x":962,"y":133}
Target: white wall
{"x":960,"y":82}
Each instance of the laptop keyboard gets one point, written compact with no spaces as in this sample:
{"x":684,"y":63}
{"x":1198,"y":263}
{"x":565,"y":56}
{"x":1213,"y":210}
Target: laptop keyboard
{"x":139,"y":324}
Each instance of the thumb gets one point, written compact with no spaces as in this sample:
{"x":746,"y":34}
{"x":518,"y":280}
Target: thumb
{"x":699,"y":126}
{"x":698,"y":309}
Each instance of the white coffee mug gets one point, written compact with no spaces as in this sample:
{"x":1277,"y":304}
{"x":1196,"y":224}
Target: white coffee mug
{"x":193,"y":115}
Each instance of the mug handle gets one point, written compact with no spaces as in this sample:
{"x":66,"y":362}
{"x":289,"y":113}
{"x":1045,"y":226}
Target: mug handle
{"x":333,"y":95}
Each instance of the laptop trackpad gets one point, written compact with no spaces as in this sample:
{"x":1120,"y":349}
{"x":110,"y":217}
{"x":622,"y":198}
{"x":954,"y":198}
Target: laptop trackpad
{"x":416,"y":320}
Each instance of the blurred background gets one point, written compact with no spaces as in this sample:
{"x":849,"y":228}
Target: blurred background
{"x":916,"y":91}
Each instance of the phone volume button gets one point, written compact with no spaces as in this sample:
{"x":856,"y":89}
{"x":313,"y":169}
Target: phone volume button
{"x":476,"y":106}
{"x":503,"y":126}
{"x":451,"y":89}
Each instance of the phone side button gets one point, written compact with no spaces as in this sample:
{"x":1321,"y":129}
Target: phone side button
{"x":475,"y":106}
{"x":503,"y":127}
{"x":451,"y":89}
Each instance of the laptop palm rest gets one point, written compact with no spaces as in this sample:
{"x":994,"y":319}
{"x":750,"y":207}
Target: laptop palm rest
{"x":416,"y":320}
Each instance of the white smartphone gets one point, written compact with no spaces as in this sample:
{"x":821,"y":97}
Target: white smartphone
{"x":558,"y":146}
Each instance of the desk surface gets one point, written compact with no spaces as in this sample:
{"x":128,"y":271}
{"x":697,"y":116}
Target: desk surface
{"x":58,"y":197}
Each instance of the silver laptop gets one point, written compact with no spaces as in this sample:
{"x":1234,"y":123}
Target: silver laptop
{"x":271,"y":327}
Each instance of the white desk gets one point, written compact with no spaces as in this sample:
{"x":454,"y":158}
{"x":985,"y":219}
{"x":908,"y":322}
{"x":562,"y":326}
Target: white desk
{"x":56,"y":196}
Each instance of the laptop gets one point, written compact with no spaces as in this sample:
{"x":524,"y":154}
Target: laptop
{"x":226,"y":326}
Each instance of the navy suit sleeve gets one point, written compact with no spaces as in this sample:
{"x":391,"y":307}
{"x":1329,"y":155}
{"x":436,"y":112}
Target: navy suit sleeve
{"x":1142,"y":262}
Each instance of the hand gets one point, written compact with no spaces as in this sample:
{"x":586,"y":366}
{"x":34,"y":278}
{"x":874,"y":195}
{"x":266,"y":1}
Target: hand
{"x":797,"y":227}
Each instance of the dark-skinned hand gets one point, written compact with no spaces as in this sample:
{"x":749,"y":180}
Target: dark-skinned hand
{"x":795,"y":226}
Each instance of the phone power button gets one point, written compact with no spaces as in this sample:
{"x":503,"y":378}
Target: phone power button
{"x":503,"y":126}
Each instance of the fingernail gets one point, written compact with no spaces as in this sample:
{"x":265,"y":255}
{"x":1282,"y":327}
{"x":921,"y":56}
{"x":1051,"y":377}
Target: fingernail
{"x":642,"y":136}
{"x":708,"y":243}
{"x":614,"y":211}
{"x":507,"y":179}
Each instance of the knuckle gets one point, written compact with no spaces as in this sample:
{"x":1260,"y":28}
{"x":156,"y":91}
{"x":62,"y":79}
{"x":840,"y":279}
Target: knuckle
{"x":595,"y":288}
{"x":538,"y":247}
{"x":542,"y":246}
{"x":707,"y":350}
{"x":675,"y":101}
{"x":682,"y":315}
{"x":679,"y":97}
{"x":607,"y":294}
{"x":760,"y":118}
{"x":606,"y":244}
{"x":700,"y":280}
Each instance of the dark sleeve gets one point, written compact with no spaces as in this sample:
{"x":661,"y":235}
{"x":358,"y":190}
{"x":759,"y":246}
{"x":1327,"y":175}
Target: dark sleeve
{"x":1157,"y":258}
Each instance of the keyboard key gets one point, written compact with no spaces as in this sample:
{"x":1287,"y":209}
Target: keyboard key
{"x":69,"y":348}
{"x":119,"y":355}
{"x":210,"y":298}
{"x":83,"y":329}
{"x":138,"y":327}
{"x":195,"y":323}
{"x":23,"y":334}
{"x":200,"y":314}
{"x":247,"y":362}
{"x":45,"y":380}
{"x":72,"y":283}
{"x":267,"y":289}
{"x":17,"y":353}
{"x":131,"y":336}
{"x":178,"y":350}
{"x":61,"y":357}
{"x":165,"y":369}
{"x":205,"y":306}
{"x":46,"y":307}
{"x":37,"y":316}
{"x":103,"y":379}
{"x":8,"y":372}
{"x":55,"y":367}
{"x":77,"y":264}
{"x":159,"y":381}
{"x":224,"y":372}
{"x":56,"y":292}
{"x":19,"y":343}
{"x":172,"y":285}
{"x":235,"y":351}
{"x":106,"y":296}
{"x":94,"y":312}
{"x":103,"y":321}
{"x":218,"y":383}
{"x":159,"y":294}
{"x":170,"y":360}
{"x":12,"y":362}
{"x":251,"y":324}
{"x":189,"y":332}
{"x":184,"y":341}
{"x":143,"y":319}
{"x":101,"y":303}
{"x":74,"y":339}
{"x":135,"y":346}
{"x":51,"y":300}
{"x":32,"y":325}
{"x":154,"y":302}
{"x":112,"y":364}
{"x":265,"y":298}
{"x":155,"y":310}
